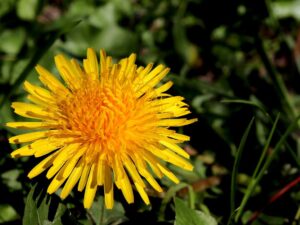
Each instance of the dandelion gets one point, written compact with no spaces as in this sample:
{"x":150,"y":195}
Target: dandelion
{"x":107,"y":124}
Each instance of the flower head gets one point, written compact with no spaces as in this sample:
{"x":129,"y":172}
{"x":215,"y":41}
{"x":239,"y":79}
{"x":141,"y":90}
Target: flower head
{"x":107,"y":124}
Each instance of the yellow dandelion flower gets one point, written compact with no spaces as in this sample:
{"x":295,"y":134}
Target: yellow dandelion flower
{"x":107,"y":124}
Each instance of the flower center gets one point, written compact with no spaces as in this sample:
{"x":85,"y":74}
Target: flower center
{"x":108,"y":117}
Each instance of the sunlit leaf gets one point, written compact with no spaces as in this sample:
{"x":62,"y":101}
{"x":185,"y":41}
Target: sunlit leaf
{"x":7,"y":213}
{"x":12,"y":40}
{"x":187,"y":216}
{"x":26,"y":9}
{"x":102,"y":216}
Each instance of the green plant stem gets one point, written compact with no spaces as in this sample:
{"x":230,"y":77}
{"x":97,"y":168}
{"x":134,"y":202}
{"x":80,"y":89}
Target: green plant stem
{"x":102,"y":213}
{"x":246,"y":102}
{"x":267,"y":145}
{"x":236,"y":166}
{"x":253,"y":183}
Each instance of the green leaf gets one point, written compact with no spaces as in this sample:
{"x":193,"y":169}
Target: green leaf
{"x":40,"y":208}
{"x":183,"y":47}
{"x":167,"y":198}
{"x":10,"y":178}
{"x":7,"y":213}
{"x":80,"y":9}
{"x":26,"y":9}
{"x":124,"y":7}
{"x":284,"y":9}
{"x":116,"y":41}
{"x":102,"y":216}
{"x":12,"y":40}
{"x":187,"y":216}
{"x":6,"y":6}
{"x":104,"y":16}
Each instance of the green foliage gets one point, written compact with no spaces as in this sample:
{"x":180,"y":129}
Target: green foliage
{"x":102,"y":216}
{"x":39,"y":208}
{"x":26,"y":9}
{"x":7,"y":213}
{"x":12,"y":40}
{"x":185,"y":215}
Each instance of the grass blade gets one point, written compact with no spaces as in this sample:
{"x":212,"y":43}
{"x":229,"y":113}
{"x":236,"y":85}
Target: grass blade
{"x":253,"y":183}
{"x":246,"y":102}
{"x":236,"y":166}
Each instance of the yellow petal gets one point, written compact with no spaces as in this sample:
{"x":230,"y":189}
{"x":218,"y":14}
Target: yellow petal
{"x":36,"y":148}
{"x":118,"y":169}
{"x":23,"y":151}
{"x":50,"y":81}
{"x":91,"y":65}
{"x":67,"y":168}
{"x":133,"y":172}
{"x":168,"y":173}
{"x":146,"y":70}
{"x":153,"y":162}
{"x":130,"y":66}
{"x":100,"y":172}
{"x":142,"y":193}
{"x":126,"y":189}
{"x":84,"y":177}
{"x":180,"y":137}
{"x":55,"y":184}
{"x":29,"y":125}
{"x":42,"y":166}
{"x":142,"y":168}
{"x":175,"y":122}
{"x":66,"y":153}
{"x":152,"y":81}
{"x":175,"y":148}
{"x":163,"y":88}
{"x":38,"y":92}
{"x":72,"y":180}
{"x":108,"y":189}
{"x":76,"y":67}
{"x":91,"y":188}
{"x":44,"y":146}
{"x":171,"y":157}
{"x":102,"y":61}
{"x":31,"y":111}
{"x":27,"y":137}
{"x":67,"y":72}
{"x":55,"y":168}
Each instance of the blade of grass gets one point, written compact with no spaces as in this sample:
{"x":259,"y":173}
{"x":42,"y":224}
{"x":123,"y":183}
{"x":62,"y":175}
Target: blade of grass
{"x":266,"y":147}
{"x":192,"y":197}
{"x":246,"y":102}
{"x":254,"y":182}
{"x":236,"y":165}
{"x":241,"y":101}
{"x":200,"y":86}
